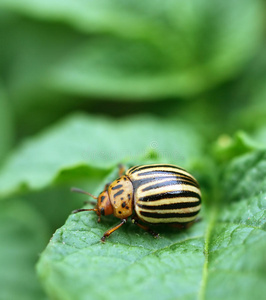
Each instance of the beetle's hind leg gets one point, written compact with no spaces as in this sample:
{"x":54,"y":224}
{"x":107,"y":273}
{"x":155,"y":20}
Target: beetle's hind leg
{"x":135,"y":221}
{"x":184,"y":225}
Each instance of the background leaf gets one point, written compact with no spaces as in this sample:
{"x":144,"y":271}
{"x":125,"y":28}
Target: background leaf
{"x":75,"y":143}
{"x":178,"y":48}
{"x":6,"y":126}
{"x":236,"y":262}
{"x":23,"y":234}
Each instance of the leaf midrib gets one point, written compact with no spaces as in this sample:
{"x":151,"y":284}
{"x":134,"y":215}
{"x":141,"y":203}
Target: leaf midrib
{"x":210,"y":227}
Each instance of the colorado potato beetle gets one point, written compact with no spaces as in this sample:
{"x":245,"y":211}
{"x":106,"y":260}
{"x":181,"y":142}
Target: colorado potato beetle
{"x":152,"y":194}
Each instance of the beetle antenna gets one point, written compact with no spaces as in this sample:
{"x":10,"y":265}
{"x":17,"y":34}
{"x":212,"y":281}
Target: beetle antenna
{"x":84,"y":209}
{"x":76,"y":190}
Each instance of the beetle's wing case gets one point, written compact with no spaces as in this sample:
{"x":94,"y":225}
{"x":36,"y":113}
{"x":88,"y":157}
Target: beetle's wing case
{"x":164,"y":194}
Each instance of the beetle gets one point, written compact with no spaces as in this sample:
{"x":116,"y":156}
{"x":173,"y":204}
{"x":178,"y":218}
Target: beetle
{"x":151,"y":194}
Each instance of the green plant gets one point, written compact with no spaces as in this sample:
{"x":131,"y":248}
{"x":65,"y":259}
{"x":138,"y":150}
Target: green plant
{"x":97,"y":83}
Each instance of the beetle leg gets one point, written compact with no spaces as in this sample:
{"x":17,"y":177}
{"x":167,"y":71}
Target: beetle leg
{"x":146,"y":228}
{"x":84,"y":209}
{"x":106,"y":186}
{"x":121,"y":170}
{"x":198,"y":220}
{"x":108,"y":232}
{"x":184,"y":225}
{"x":90,"y":202}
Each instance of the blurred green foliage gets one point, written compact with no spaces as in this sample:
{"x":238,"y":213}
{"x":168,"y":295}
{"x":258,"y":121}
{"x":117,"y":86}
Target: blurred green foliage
{"x":85,"y":85}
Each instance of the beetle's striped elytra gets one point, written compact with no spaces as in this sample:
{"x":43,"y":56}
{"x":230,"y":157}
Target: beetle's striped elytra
{"x":152,"y":194}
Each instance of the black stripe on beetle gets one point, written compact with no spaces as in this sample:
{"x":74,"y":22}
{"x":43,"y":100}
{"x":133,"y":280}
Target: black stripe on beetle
{"x":167,"y":183}
{"x":155,"y":166}
{"x":163,"y":172}
{"x":175,"y":205}
{"x":167,"y":195}
{"x":159,"y":174}
{"x":138,"y":183}
{"x":167,"y":215}
{"x":133,"y":168}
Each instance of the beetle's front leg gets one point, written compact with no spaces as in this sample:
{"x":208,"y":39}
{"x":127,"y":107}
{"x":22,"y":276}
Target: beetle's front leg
{"x":135,"y":221}
{"x":108,"y":232}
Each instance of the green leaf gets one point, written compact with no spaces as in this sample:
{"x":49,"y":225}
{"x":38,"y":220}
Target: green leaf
{"x":227,"y":147}
{"x":260,"y":134}
{"x":150,"y":50}
{"x":235,"y":264}
{"x":29,"y":51}
{"x":81,"y":146}
{"x":221,"y":257}
{"x":6,"y":128}
{"x":248,"y":108}
{"x":23,"y":234}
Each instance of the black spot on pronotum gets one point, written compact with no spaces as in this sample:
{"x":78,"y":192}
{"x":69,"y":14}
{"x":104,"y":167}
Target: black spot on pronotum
{"x":118,"y":193}
{"x":123,"y":204}
{"x":128,"y":195}
{"x":116,"y":187}
{"x":120,"y":212}
{"x":127,"y":207}
{"x":102,"y":198}
{"x":122,"y":198}
{"x":102,"y":211}
{"x":125,"y":179}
